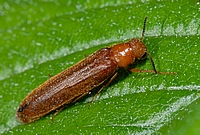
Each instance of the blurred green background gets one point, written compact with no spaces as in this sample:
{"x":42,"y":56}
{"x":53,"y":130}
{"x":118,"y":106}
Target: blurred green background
{"x":42,"y":38}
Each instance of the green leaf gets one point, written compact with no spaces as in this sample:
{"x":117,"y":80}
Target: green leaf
{"x":39,"y":39}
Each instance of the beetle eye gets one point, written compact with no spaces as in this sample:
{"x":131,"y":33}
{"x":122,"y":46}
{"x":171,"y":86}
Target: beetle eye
{"x":144,"y":56}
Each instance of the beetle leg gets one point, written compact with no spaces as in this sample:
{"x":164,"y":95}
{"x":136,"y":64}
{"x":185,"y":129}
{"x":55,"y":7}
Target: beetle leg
{"x":57,"y":111}
{"x":111,"y":79}
{"x":85,"y":55}
{"x":149,"y":71}
{"x":61,"y":108}
{"x":80,"y":97}
{"x":50,"y":75}
{"x":140,"y":71}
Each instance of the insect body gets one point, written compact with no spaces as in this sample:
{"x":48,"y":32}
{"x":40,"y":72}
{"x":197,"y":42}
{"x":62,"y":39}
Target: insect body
{"x":78,"y":80}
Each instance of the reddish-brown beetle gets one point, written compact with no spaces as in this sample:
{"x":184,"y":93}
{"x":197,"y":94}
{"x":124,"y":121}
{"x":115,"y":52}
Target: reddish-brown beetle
{"x":78,"y":80}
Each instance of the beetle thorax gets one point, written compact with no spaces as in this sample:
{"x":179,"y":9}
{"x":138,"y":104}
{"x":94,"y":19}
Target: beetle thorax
{"x":123,"y":54}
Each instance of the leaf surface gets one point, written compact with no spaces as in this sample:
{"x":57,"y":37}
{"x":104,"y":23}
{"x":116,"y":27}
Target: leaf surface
{"x":39,"y":39}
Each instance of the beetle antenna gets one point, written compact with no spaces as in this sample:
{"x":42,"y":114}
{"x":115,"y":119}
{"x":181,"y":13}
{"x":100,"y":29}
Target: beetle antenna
{"x":152,"y":63}
{"x":144,"y":27}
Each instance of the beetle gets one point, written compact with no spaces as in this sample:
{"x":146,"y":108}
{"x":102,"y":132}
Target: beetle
{"x":78,"y":80}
